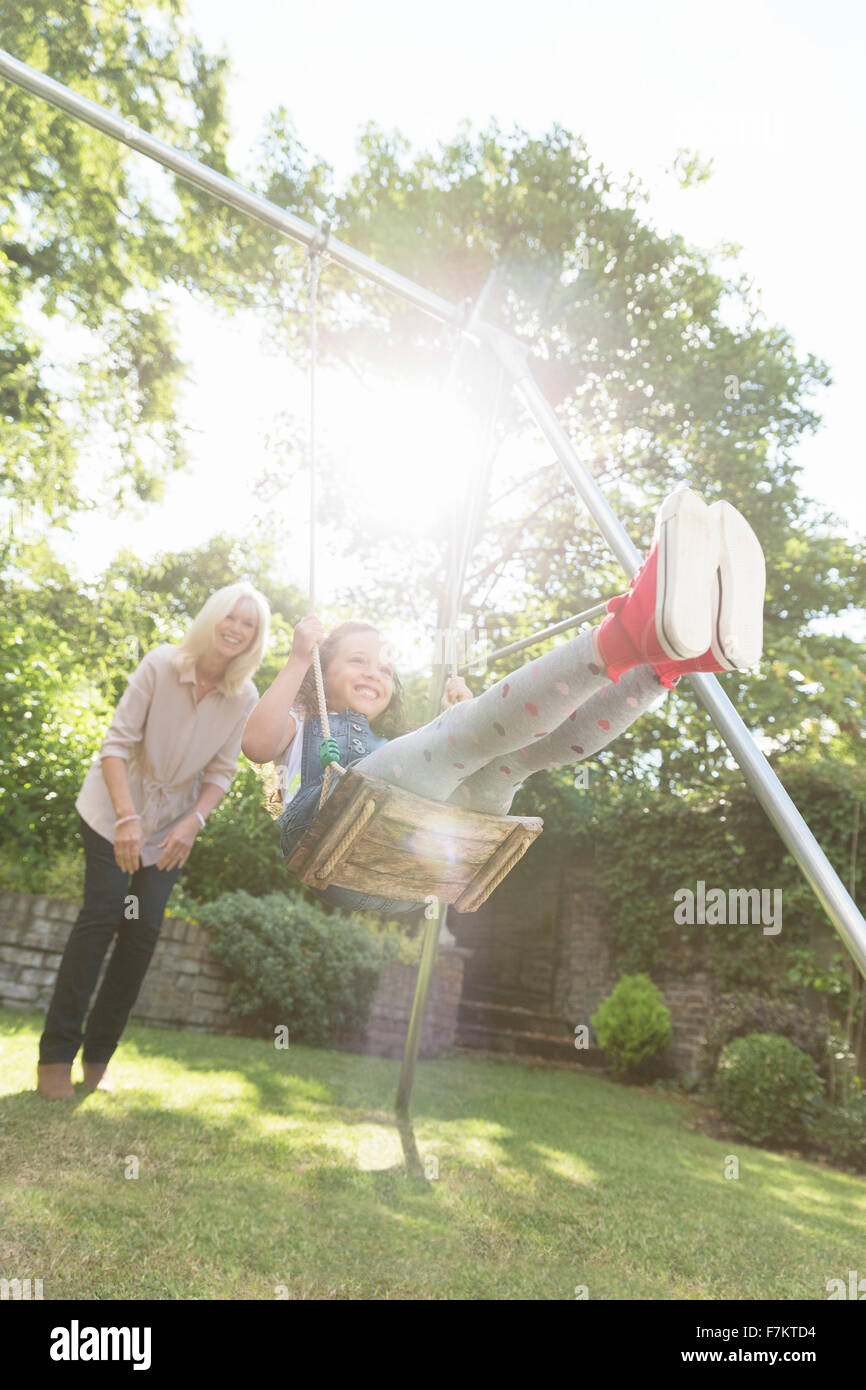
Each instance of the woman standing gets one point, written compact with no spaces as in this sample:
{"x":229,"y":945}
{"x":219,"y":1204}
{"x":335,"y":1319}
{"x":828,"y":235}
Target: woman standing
{"x":167,"y":760}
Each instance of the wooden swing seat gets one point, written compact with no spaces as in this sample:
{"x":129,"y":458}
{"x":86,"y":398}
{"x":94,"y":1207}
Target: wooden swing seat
{"x":376,"y":838}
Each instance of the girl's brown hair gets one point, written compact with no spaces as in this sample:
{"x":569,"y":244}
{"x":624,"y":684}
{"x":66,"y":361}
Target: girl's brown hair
{"x":391,"y":722}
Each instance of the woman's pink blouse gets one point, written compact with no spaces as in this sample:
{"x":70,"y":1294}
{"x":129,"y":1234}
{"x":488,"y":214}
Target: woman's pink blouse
{"x":172,"y":746}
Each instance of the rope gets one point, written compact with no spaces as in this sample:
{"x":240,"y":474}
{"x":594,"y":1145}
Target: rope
{"x":347,"y":841}
{"x":313,"y":277}
{"x":506,"y":868}
{"x":316,"y":249}
{"x":330,"y":768}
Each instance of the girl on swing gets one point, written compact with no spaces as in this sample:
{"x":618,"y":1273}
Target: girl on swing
{"x":696,"y":604}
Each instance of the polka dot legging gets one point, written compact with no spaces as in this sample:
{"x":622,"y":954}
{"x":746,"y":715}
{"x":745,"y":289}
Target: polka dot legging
{"x":557,"y":710}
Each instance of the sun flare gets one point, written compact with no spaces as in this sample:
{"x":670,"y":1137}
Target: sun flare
{"x":407,"y":452}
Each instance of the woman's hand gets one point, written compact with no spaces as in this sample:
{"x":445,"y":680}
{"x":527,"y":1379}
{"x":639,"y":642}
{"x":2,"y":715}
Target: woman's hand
{"x":178,"y":843}
{"x":127,"y":845}
{"x":308,"y":634}
{"x":456,"y":690}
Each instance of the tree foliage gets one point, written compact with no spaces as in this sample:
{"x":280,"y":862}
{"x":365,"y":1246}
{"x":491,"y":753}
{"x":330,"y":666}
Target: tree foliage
{"x":655,"y":354}
{"x":94,"y":240}
{"x":662,"y":368}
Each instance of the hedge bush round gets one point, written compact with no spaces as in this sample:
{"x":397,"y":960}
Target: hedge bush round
{"x":292,"y":962}
{"x":737,"y":1015}
{"x":840,"y":1131}
{"x":767,"y":1088}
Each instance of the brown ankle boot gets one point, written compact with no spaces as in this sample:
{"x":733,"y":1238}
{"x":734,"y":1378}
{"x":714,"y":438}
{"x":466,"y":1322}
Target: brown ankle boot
{"x":55,"y":1080}
{"x":96,"y":1077}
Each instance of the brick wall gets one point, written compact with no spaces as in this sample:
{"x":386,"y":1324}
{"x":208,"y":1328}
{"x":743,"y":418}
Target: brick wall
{"x":512,"y":938}
{"x":186,"y":987}
{"x":691,"y":1000}
{"x":585,"y":974}
{"x":540,"y":942}
{"x":389,"y":1016}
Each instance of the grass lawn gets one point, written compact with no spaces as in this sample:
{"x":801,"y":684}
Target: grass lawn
{"x":261,"y":1171}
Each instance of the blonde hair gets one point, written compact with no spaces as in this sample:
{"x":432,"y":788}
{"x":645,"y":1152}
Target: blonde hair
{"x":199,"y":635}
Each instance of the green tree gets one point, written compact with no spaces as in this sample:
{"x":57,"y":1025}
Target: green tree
{"x":67,"y":650}
{"x":93,"y":239}
{"x":659,"y":362}
{"x":654,"y":352}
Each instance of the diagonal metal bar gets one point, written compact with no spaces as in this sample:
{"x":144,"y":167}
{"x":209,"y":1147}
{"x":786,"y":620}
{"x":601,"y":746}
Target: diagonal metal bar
{"x":194,"y":172}
{"x":814,"y":864}
{"x":535,"y":637}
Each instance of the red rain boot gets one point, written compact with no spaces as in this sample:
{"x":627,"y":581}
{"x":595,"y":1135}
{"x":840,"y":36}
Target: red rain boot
{"x":666,"y":615}
{"x":738,"y":602}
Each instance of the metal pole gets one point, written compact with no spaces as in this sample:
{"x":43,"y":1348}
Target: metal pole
{"x":419,"y":1005}
{"x":461,"y":538}
{"x":814,"y":864}
{"x":536,"y":637}
{"x":523,"y":642}
{"x":515,"y":360}
{"x":436,"y":928}
{"x":221,"y":187}
{"x":466,"y":541}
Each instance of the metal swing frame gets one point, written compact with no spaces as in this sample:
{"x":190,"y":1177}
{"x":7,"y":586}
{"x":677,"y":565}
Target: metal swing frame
{"x":513,"y":357}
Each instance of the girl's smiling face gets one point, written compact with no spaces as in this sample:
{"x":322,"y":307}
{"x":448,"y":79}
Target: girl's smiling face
{"x":360,"y":675}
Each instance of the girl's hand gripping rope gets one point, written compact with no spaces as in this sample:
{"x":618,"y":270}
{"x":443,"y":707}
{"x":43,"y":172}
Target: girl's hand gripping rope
{"x":308,"y":634}
{"x":456,"y":690}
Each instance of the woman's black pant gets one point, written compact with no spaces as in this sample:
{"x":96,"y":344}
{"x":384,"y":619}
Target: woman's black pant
{"x":114,"y":907}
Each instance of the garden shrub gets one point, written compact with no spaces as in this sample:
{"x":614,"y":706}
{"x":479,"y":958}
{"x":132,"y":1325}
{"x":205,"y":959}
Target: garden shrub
{"x":182,"y":905}
{"x":767,"y":1088}
{"x":241,"y":849}
{"x":633,"y":1026}
{"x":839,"y":1131}
{"x":740,"y":1014}
{"x":842,"y":1079}
{"x":293,"y":963}
{"x":59,"y":874}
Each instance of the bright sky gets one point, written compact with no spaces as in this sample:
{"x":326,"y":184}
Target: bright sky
{"x":768,"y":91}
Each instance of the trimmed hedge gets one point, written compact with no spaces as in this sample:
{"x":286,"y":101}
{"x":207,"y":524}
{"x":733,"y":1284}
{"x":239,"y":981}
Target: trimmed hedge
{"x":839,"y":1131}
{"x":633,"y":1025}
{"x":768,"y":1088}
{"x":294,"y":964}
{"x":737,"y":1015}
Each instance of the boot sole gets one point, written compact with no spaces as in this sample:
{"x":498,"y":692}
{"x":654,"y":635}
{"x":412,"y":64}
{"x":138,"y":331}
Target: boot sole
{"x":738,"y":601}
{"x":687,"y":533}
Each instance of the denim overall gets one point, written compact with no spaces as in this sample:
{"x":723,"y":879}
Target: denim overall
{"x":355,"y":739}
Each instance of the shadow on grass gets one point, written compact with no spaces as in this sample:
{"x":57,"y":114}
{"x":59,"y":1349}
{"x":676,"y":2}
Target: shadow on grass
{"x":528,"y":1159}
